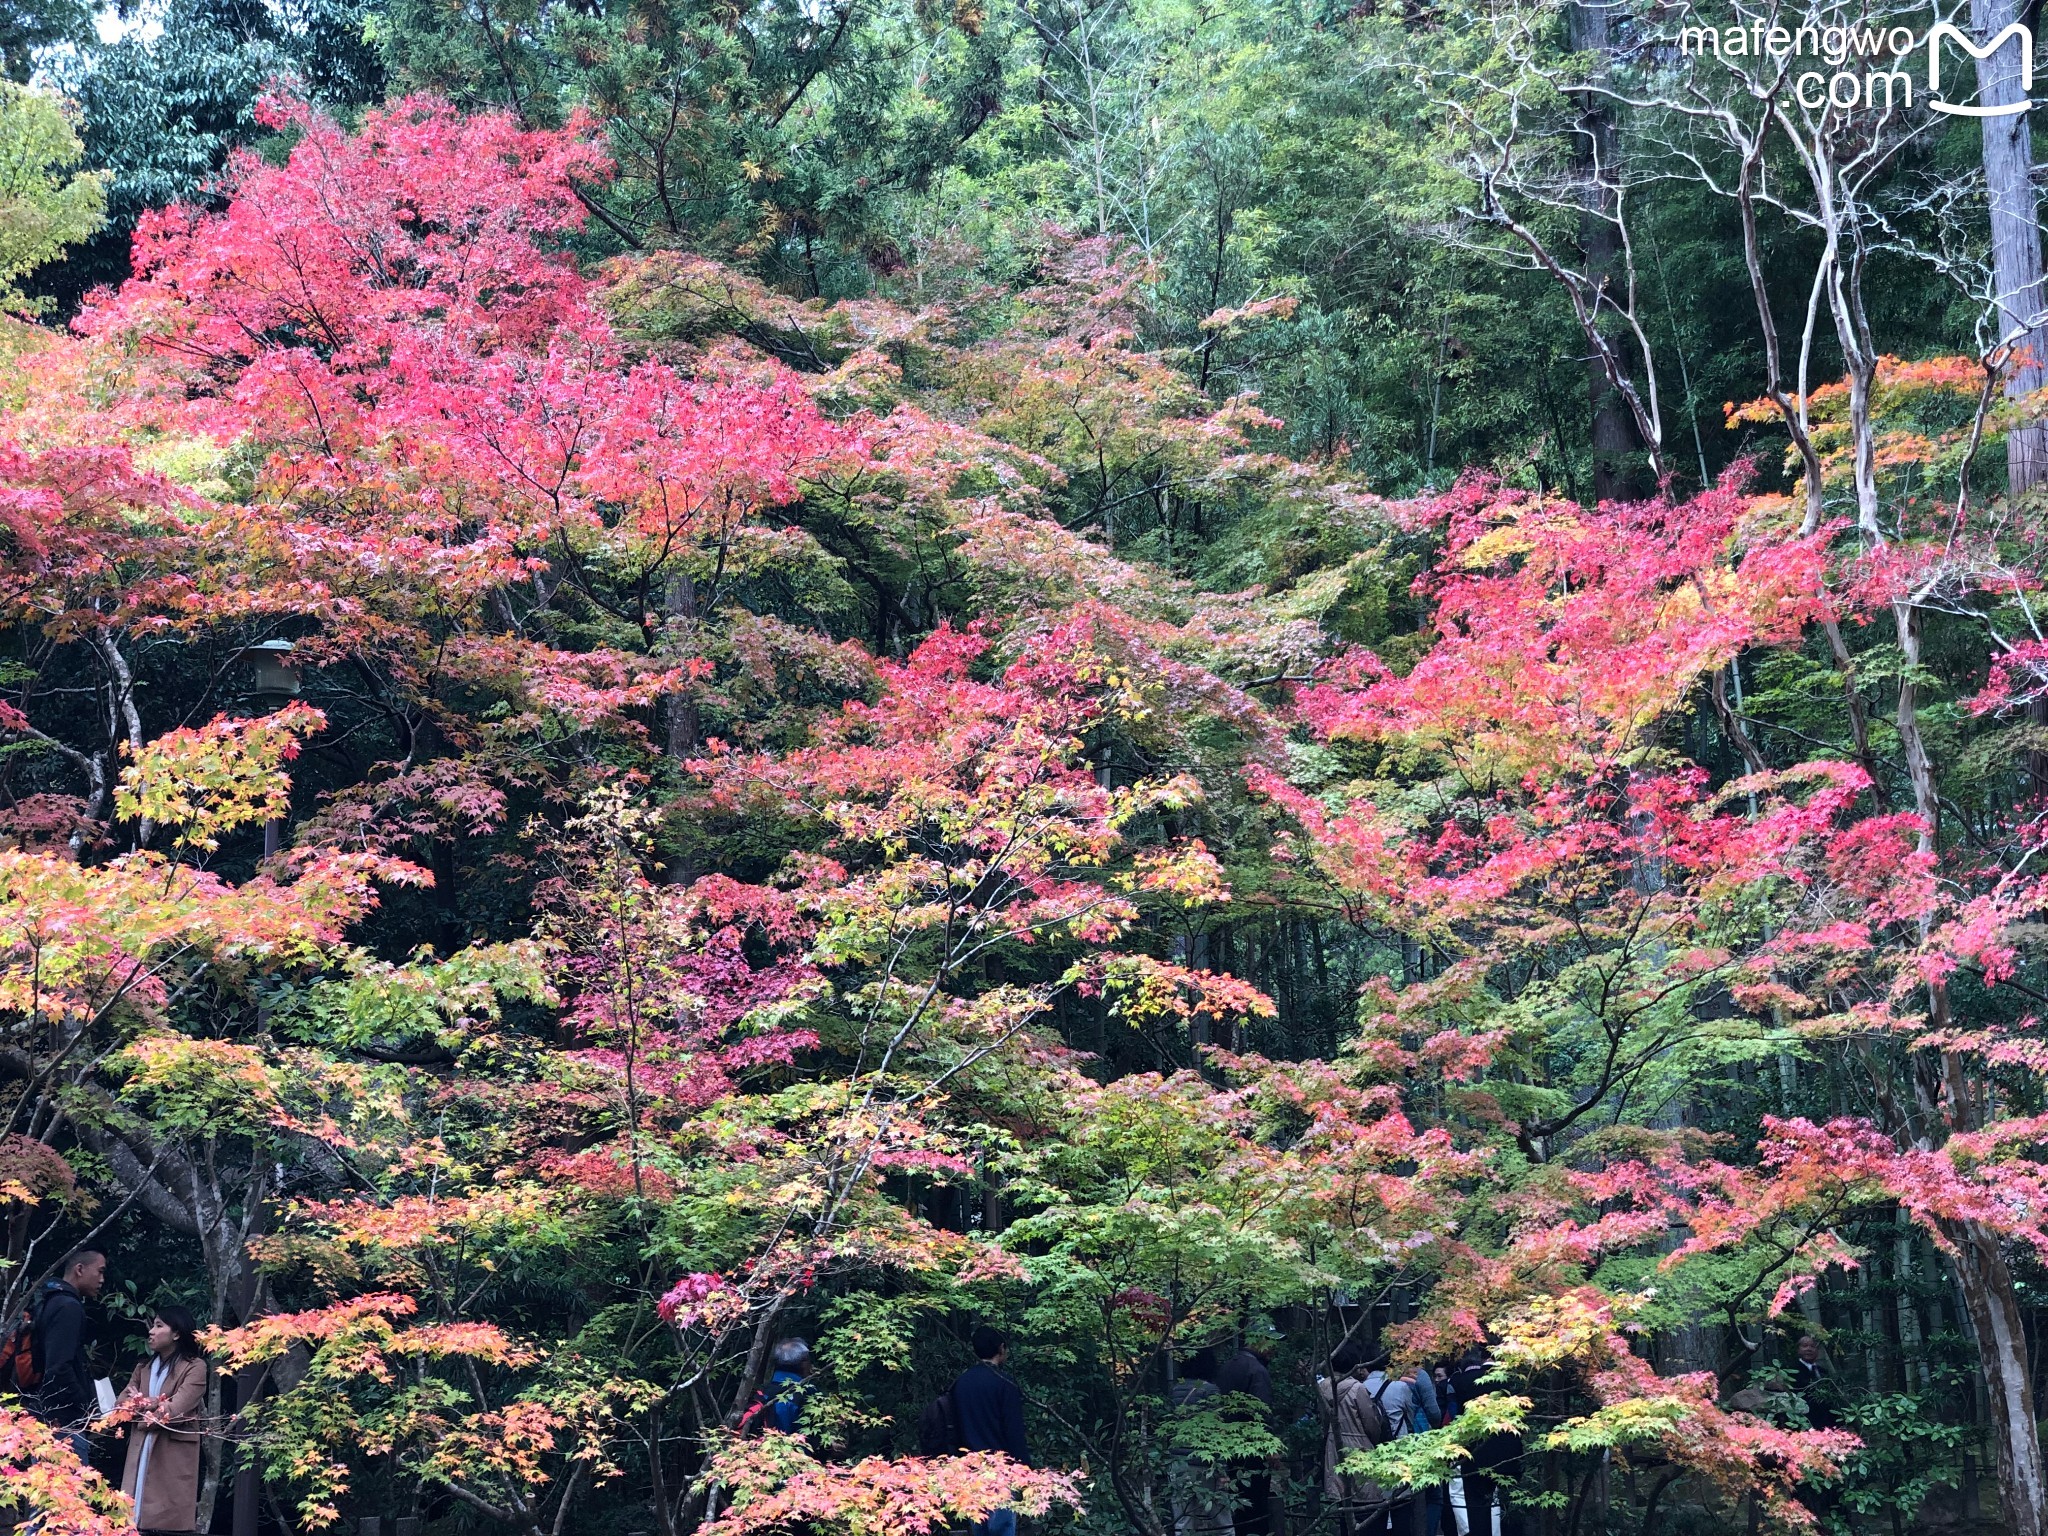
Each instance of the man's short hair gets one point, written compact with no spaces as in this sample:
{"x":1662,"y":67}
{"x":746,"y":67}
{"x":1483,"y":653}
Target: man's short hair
{"x":78,"y":1256}
{"x":791,"y":1355}
{"x":987,"y":1343}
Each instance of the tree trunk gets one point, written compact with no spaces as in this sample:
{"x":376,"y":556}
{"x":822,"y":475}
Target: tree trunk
{"x":1862,"y":398}
{"x":2015,"y":232}
{"x":239,"y":1294}
{"x":1912,"y":1355}
{"x":210,"y":1454}
{"x":1986,"y":1280}
{"x":248,"y":1487}
{"x":1987,"y":1287}
{"x":1907,"y":623}
{"x":1615,"y":439}
{"x":683,"y":729}
{"x":1873,"y":1329}
{"x":2037,"y":746}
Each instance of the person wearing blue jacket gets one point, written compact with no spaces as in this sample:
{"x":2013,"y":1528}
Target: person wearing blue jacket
{"x":988,"y":1407}
{"x":1426,"y":1412}
{"x":780,"y":1404}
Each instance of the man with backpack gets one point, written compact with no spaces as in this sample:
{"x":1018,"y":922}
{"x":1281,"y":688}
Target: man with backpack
{"x":1401,"y":1402}
{"x":988,"y":1413}
{"x":64,"y":1397}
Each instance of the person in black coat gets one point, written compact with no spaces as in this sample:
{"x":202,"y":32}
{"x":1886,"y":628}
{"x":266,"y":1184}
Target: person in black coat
{"x":1810,"y":1379}
{"x":1495,"y":1460}
{"x":1247,"y":1374}
{"x":59,"y":1339}
{"x":988,"y":1409}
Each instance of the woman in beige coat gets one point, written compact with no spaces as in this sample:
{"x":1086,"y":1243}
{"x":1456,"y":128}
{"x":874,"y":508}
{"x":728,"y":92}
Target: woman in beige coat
{"x":1357,"y":1422}
{"x":163,"y":1443}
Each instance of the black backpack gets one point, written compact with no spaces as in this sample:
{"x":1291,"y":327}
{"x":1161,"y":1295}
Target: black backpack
{"x":938,"y":1431}
{"x":1372,"y":1415}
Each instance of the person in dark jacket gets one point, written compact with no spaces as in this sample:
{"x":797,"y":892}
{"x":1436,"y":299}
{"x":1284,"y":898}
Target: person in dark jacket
{"x":1495,"y":1460}
{"x":1246,"y":1374}
{"x":1810,"y":1379}
{"x":1426,"y":1411}
{"x":988,"y":1407}
{"x":60,"y":1337}
{"x":1200,"y":1490}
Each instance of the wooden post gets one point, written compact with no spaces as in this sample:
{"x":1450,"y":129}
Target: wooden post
{"x":248,"y":1490}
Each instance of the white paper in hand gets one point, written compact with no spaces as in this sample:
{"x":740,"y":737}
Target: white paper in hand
{"x":105,"y":1388}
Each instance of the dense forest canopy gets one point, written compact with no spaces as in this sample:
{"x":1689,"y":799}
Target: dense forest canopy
{"x":1364,"y":682}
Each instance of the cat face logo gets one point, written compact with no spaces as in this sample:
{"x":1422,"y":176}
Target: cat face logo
{"x":1943,"y":29}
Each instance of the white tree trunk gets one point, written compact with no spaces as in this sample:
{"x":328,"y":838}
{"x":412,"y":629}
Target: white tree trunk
{"x":1987,"y":1288}
{"x":2015,"y":232}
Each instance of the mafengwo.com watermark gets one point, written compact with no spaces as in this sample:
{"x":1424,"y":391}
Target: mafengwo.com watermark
{"x":1865,"y":62}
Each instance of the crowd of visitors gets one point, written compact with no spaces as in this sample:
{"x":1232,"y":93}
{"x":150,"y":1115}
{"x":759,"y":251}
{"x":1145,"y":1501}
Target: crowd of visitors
{"x":1364,"y":1403}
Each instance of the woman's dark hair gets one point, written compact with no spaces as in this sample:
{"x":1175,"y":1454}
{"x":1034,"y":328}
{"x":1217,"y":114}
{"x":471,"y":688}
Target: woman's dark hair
{"x":181,"y":1322}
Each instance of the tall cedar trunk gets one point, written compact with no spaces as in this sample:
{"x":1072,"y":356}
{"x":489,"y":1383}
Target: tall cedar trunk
{"x":1988,"y":1292}
{"x":2015,"y":231}
{"x":1615,"y":439}
{"x":1986,"y":1281}
{"x":2016,"y":264}
{"x":2037,"y":746}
